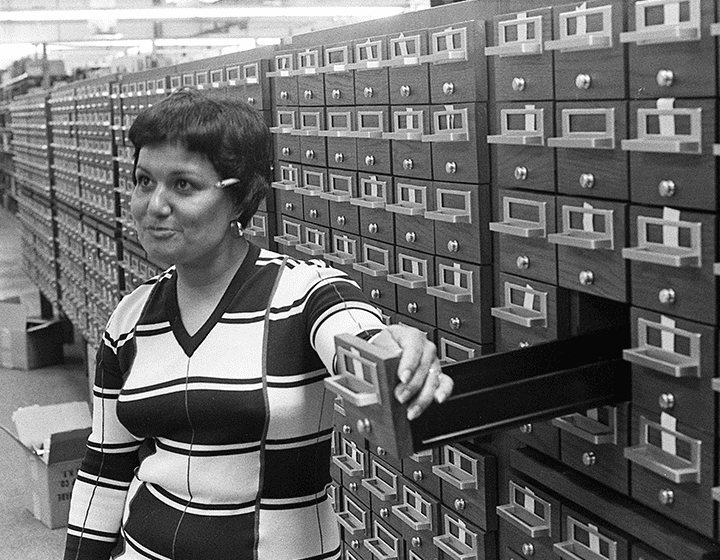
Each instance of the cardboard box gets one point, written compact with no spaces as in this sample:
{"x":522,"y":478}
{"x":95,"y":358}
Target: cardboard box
{"x":54,"y":437}
{"x":25,"y":342}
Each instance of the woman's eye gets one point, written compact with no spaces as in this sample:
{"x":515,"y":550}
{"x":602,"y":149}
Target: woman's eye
{"x":144,"y":182}
{"x":183,"y":185}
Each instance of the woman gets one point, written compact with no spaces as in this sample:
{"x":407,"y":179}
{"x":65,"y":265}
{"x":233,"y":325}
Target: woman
{"x":211,"y":430}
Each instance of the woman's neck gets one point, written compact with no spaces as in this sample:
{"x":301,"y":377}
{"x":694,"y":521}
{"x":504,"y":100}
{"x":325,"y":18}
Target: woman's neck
{"x":214,"y":273}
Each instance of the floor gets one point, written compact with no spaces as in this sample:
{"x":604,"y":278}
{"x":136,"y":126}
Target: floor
{"x":22,"y":537}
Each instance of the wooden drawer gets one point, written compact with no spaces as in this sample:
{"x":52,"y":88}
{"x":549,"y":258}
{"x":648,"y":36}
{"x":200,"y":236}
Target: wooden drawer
{"x":311,"y":89}
{"x":469,"y":483}
{"x":672,"y":170}
{"x":659,"y":51}
{"x":262,"y":229}
{"x":528,"y":312}
{"x":315,"y":241}
{"x":313,"y":150}
{"x":353,"y":517}
{"x":417,"y":517}
{"x":410,"y":156}
{"x":289,"y":203}
{"x":352,"y":460}
{"x":341,"y":186}
{"x":414,"y":272}
{"x":463,"y":296}
{"x":589,"y":159}
{"x":462,"y":539}
{"x":457,"y":63}
{"x":590,"y":237}
{"x":342,"y":153}
{"x":343,"y":252}
{"x":345,"y":217}
{"x":524,"y":220}
{"x":589,"y":537}
{"x":376,"y":223}
{"x":453,"y":348}
{"x":418,"y":468}
{"x":674,"y":367}
{"x":372,"y":87}
{"x":409,"y":78}
{"x":415,"y":232}
{"x":339,"y":86}
{"x":522,"y":67}
{"x":518,"y":139}
{"x":457,"y":139}
{"x":373,"y":155}
{"x":542,"y":436}
{"x":287,"y":147}
{"x":672,"y":255}
{"x":593,"y":443}
{"x":673,"y":470}
{"x":383,"y":484}
{"x":371,"y":74}
{"x":285,"y":89}
{"x":461,"y":213}
{"x":529,"y":518}
{"x":589,"y":63}
{"x":316,"y":210}
{"x":385,"y":541}
{"x":375,"y":261}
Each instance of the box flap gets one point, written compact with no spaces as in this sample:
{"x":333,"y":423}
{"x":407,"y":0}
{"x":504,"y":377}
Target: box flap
{"x":36,"y":425}
{"x":67,"y":446}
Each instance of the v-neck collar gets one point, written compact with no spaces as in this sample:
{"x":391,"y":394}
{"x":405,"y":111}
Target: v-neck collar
{"x":191,"y":343}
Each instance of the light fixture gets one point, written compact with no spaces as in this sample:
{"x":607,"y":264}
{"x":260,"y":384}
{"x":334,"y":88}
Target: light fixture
{"x":366,"y":12}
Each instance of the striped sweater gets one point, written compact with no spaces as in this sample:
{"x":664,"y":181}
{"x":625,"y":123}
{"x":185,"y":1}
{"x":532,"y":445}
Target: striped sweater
{"x":217,"y":445}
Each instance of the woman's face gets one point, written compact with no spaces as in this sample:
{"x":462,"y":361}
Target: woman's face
{"x":181,"y":217}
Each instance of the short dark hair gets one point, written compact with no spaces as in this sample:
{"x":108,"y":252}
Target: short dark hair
{"x":231,"y":133}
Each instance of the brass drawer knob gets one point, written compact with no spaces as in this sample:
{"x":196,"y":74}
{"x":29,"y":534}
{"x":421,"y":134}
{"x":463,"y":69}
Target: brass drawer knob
{"x":455,"y":323}
{"x":381,"y":451}
{"x":251,"y":100}
{"x":412,"y":308}
{"x":666,"y":296}
{"x":384,"y":513}
{"x":666,"y":497}
{"x":450,"y":167}
{"x":520,"y":173}
{"x":336,"y":94}
{"x":586,"y":277}
{"x":528,"y":549}
{"x":405,"y":91}
{"x":523,"y":344}
{"x":410,"y":237}
{"x":667,"y":188}
{"x":368,"y":92}
{"x":416,"y":542}
{"x":522,"y":262}
{"x":346,"y":429}
{"x":308,"y":94}
{"x":355,"y":543}
{"x":284,"y":95}
{"x":666,"y":401}
{"x":375,"y":293}
{"x":665,"y":78}
{"x":459,"y":504}
{"x":373,"y":228}
{"x":289,"y":206}
{"x":526,"y":429}
{"x":310,"y":154}
{"x":587,"y":180}
{"x":448,"y":88}
{"x":453,"y":246}
{"x":313,"y":213}
{"x":340,"y":220}
{"x":369,"y":160}
{"x":583,"y":81}
{"x":418,"y":476}
{"x":364,"y":426}
{"x":589,"y":458}
{"x":285,"y":151}
{"x":408,"y":164}
{"x":518,"y":84}
{"x":339,"y":157}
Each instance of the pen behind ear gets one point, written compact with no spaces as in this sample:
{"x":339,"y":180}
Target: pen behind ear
{"x":227,"y":182}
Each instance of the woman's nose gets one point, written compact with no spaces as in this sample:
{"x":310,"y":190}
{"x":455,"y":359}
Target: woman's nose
{"x":159,"y":203}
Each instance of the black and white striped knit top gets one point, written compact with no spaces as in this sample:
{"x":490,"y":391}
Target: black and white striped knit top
{"x":217,"y":445}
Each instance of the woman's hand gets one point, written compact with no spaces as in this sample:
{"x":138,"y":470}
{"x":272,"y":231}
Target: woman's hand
{"x":421,"y":380}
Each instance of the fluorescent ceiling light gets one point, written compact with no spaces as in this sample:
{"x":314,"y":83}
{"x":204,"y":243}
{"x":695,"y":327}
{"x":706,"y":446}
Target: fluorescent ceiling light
{"x":204,"y":42}
{"x":200,"y":13}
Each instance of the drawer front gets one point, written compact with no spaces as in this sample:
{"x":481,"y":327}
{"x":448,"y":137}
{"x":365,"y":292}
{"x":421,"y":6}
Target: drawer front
{"x":517,"y":165}
{"x":410,"y":84}
{"x":418,"y":468}
{"x":415,"y":232}
{"x":453,"y":348}
{"x":376,"y":223}
{"x":289,"y":203}
{"x":345,"y":217}
{"x":462,"y":156}
{"x":522,"y":223}
{"x":463,"y":78}
{"x":380,"y":291}
{"x":655,"y":468}
{"x":528,"y":312}
{"x":372,"y":87}
{"x":683,"y":180}
{"x":583,"y":535}
{"x":590,"y":237}
{"x":339,"y":88}
{"x":313,"y":151}
{"x":287,"y":148}
{"x":660,"y":68}
{"x":463,"y":294}
{"x":684,"y":291}
{"x":515,"y":545}
{"x":286,"y":91}
{"x":417,"y":518}
{"x":529,"y":515}
{"x":469,"y":483}
{"x":373,"y":155}
{"x":414,"y":272}
{"x":311,"y":90}
{"x":457,"y":534}
{"x":542,"y":436}
{"x":353,"y":517}
{"x":593,"y":444}
{"x":262,"y":230}
{"x":385,"y":541}
{"x":521,"y":66}
{"x":316,"y":210}
{"x":461,"y":214}
{"x":589,"y":73}
{"x":602,"y":171}
{"x":257,"y":95}
{"x":411,"y":159}
{"x":342,"y":153}
{"x":383,"y":483}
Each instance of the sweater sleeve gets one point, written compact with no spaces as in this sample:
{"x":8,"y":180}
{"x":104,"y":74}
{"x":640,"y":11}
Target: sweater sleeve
{"x":102,"y":483}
